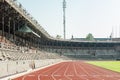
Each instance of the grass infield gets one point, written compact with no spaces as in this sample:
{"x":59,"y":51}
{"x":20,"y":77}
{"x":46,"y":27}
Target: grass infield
{"x":112,"y":65}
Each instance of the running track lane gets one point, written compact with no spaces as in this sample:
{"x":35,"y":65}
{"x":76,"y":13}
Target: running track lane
{"x":71,"y":71}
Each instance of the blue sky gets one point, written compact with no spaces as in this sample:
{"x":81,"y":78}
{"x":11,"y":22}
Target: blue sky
{"x":98,"y":17}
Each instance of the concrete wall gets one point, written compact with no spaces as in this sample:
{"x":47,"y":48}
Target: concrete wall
{"x":13,"y":67}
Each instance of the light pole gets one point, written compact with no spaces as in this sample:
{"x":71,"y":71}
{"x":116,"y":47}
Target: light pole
{"x":64,"y":18}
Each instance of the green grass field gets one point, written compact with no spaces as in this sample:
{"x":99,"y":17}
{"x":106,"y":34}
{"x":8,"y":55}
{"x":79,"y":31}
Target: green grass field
{"x":112,"y":65}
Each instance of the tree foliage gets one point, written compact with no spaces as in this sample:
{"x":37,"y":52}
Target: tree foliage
{"x":90,"y":37}
{"x":58,"y":36}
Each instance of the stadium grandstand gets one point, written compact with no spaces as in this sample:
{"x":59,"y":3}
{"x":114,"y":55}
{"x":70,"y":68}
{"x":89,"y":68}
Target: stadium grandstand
{"x":23,"y":38}
{"x":20,"y":32}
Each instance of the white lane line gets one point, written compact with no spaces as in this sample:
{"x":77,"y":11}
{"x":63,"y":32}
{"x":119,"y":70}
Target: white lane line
{"x":66,"y":71}
{"x":57,"y":65}
{"x":56,"y":71}
{"x":44,"y":75}
{"x":77,"y":73}
{"x":31,"y":75}
{"x":24,"y":77}
{"x":75,"y":70}
{"x":83,"y":69}
{"x":27,"y":76}
{"x":70,"y":75}
{"x":57,"y":75}
{"x":83,"y":75}
{"x":91,"y":70}
{"x":101,"y":72}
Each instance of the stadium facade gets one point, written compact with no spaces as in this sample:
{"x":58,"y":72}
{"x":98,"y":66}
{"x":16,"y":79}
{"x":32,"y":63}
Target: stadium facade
{"x":19,"y":31}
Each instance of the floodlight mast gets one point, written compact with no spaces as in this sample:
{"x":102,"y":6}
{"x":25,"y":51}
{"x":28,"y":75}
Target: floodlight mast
{"x":64,"y":18}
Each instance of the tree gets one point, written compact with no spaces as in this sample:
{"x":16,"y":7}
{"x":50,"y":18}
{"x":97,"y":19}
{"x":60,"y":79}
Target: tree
{"x":90,"y":37}
{"x":58,"y":37}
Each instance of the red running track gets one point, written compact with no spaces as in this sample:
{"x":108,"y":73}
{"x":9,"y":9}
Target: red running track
{"x":71,"y":71}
